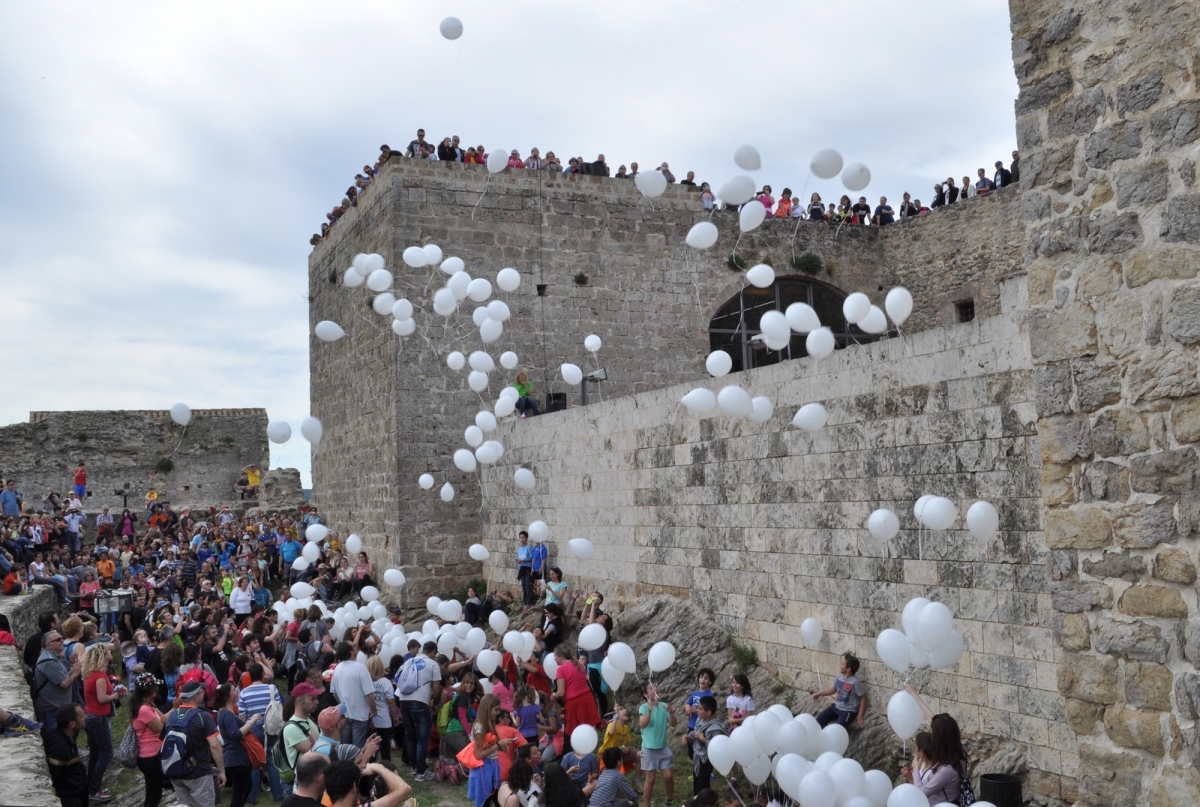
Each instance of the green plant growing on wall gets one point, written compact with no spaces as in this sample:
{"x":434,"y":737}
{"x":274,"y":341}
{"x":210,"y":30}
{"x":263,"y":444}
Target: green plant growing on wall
{"x":581,"y":279}
{"x":333,"y":276}
{"x":82,"y":437}
{"x":808,"y":263}
{"x":227,"y":440}
{"x":735,"y":262}
{"x":164,"y":465}
{"x":744,"y":656}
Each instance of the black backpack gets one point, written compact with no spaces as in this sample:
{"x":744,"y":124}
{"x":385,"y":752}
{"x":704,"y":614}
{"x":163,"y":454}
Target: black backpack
{"x":966,"y":793}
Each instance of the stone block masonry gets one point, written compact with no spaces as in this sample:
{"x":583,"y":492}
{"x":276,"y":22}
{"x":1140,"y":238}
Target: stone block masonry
{"x":123,"y":447}
{"x":392,"y":410}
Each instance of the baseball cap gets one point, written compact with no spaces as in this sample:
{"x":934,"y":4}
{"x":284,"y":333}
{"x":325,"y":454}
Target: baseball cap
{"x":330,"y":717}
{"x":305,"y":688}
{"x":191,"y":689}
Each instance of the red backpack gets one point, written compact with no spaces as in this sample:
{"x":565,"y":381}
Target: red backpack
{"x":201,"y":674}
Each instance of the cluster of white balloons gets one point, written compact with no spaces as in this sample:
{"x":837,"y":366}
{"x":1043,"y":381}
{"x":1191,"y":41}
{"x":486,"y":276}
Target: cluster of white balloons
{"x":827,"y":164}
{"x":937,"y":513}
{"x":858,"y":310}
{"x":929,"y":639}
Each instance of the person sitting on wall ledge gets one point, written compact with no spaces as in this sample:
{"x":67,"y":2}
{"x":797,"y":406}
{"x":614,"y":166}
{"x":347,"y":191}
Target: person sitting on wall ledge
{"x":247,"y":485}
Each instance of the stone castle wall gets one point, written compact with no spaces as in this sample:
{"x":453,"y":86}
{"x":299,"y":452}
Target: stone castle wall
{"x":123,"y":447}
{"x":1108,"y":121}
{"x":392,"y":410}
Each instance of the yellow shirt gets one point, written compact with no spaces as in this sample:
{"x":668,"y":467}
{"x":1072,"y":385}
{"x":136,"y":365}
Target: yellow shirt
{"x":253,"y":476}
{"x":618,"y":735}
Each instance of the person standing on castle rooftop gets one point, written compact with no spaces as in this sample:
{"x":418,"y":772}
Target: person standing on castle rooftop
{"x":1003,"y":176}
{"x":984,"y":184}
{"x":968,"y":189}
{"x":691,"y":179}
{"x":951,"y":191}
{"x":599,"y":168}
{"x":666,"y":172}
{"x":1014,"y":168}
{"x":445,"y":151}
{"x":534,"y":162}
{"x":514,"y":159}
{"x":416,"y":148}
{"x":552,"y":163}
{"x":621,"y":173}
{"x":80,"y":480}
{"x":633,"y":169}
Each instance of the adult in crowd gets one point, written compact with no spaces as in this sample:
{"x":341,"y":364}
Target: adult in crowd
{"x":99,"y":694}
{"x":1014,"y":168}
{"x":884,"y":214}
{"x":1003,"y":177}
{"x":235,"y":733}
{"x":300,"y":731}
{"x":353,"y":687}
{"x":54,"y":679}
{"x":343,"y":783}
{"x":67,"y":773}
{"x":525,"y":568}
{"x":147,"y":722}
{"x":418,"y":685}
{"x":573,"y":690}
{"x":948,"y":761}
{"x":526,"y":404}
{"x":310,"y":781}
{"x":195,"y":787}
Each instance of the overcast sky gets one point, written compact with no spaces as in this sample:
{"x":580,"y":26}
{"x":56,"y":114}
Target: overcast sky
{"x":164,"y":164}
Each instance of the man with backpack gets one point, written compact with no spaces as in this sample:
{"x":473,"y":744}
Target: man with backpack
{"x":417,"y":685}
{"x":261,"y":698}
{"x":193,"y":670}
{"x":191,"y":750}
{"x":299,"y":732}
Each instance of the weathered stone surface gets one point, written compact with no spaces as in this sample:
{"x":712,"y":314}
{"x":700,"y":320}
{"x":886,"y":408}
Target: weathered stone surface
{"x":1043,"y":92}
{"x":281,"y":489}
{"x":1158,"y":374}
{"x":1122,"y":141}
{"x":1175,"y":565}
{"x":1131,"y":639}
{"x":1053,"y":382}
{"x":1132,"y":728}
{"x":1141,"y":526}
{"x":1171,"y":264}
{"x":1185,"y":420}
{"x":1119,"y":432}
{"x":1088,"y":678}
{"x":1104,"y":482}
{"x":1077,"y":528}
{"x":1120,"y":565}
{"x":1063,"y":439}
{"x":1049,"y":167}
{"x":1114,"y":234}
{"x":1182,"y":321}
{"x":1061,"y":26}
{"x":1181,"y":222}
{"x":1187,"y":694}
{"x":1076,"y":115}
{"x":1082,"y":716}
{"x":1187,"y":173}
{"x":1174,"y":789}
{"x":1119,"y":324}
{"x":1096,"y":385}
{"x":1151,"y":600}
{"x":1066,"y":333}
{"x":1072,"y":632}
{"x":1148,"y":686}
{"x":1075,"y":597}
{"x":1109,"y":778}
{"x":1167,"y":473}
{"x":1141,"y":93}
{"x":1143,"y":184}
{"x":1175,"y":126}
{"x":1035,"y":206}
{"x":1065,"y":234}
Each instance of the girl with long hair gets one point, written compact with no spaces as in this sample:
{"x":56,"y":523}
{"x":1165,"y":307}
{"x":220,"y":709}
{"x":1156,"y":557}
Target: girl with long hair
{"x":233,"y":736}
{"x":560,"y":790}
{"x":483,"y":780}
{"x":147,"y":722}
{"x":740,"y":703}
{"x":946,"y":760}
{"x":98,"y":697}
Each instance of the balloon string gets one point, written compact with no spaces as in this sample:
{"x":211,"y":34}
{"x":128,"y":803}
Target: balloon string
{"x":182,"y":434}
{"x":695,"y":285}
{"x":485,"y":187}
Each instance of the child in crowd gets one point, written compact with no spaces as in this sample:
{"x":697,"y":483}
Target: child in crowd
{"x":850,"y":696}
{"x":740,"y":703}
{"x":922,"y":755}
{"x":14,"y":581}
{"x":618,"y":733}
{"x":784,"y":208}
{"x":705,"y":677}
{"x":502,"y":689}
{"x":707,"y":726}
{"x":526,"y":709}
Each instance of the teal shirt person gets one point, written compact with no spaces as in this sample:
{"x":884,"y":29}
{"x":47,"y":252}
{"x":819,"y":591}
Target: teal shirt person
{"x":654,"y":733}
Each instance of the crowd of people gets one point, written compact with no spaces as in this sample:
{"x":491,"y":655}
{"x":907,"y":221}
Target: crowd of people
{"x":785,"y":207}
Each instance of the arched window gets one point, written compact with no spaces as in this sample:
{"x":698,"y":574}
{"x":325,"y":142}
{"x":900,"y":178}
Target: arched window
{"x":735,"y":324}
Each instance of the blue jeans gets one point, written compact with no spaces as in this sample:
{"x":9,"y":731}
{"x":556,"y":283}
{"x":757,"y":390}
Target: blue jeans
{"x":833,"y":714}
{"x":279,"y":790}
{"x":527,"y":406}
{"x":100,"y":751}
{"x":49,"y":718}
{"x":356,"y":731}
{"x":417,"y":725}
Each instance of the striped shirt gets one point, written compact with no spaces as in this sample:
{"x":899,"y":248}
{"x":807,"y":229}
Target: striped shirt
{"x":611,"y":784}
{"x":254,"y":700}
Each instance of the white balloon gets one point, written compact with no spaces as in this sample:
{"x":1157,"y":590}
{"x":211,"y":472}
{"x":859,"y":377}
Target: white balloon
{"x":303,"y":589}
{"x":447,"y":492}
{"x":751,"y":216}
{"x":849,"y":779}
{"x":479,"y":360}
{"x":855,"y":307}
{"x":766,"y":731}
{"x":856,"y":176}
{"x":877,"y":788}
{"x":464,"y":460}
{"x":446,"y":643}
{"x":512,"y":642}
{"x":310,"y":429}
{"x":907,"y":795}
{"x":919,"y":507}
{"x":939,"y":513}
{"x":455,"y":360}
{"x":792,"y":738}
{"x":736,"y":190}
{"x":790,"y":770}
{"x":820,"y":343}
{"x":403,"y":327}
{"x":316,"y":533}
{"x":661,"y":656}
{"x":379,"y":280}
{"x":382,"y":304}
{"x":592,"y":343}
{"x":745,"y":745}
{"x":416,"y":257}
{"x":592,"y":637}
{"x":508,"y":360}
{"x":773,"y":324}
{"x":584,"y":739}
{"x":490,"y":330}
{"x":278,"y":431}
{"x":446,"y":613}
{"x":801,"y":318}
{"x":480,"y":315}
{"x":393,"y":577}
{"x":300,"y":564}
{"x":181,"y":413}
{"x":948,"y":654}
{"x":359,"y":263}
{"x":328,"y":331}
{"x":524,"y":478}
{"x":702,"y":235}
{"x":835,"y":738}
{"x":451,"y":28}
{"x":458,"y":284}
{"x":911,"y":615}
{"x":761,"y":409}
{"x":488,"y":660}
{"x":982,"y":520}
{"x":699,"y":401}
{"x":505,"y":406}
{"x":538,"y":532}
{"x":480,"y":289}
{"x":497,"y":161}
{"x":720,"y":753}
{"x":508,"y":279}
{"x":571,"y":374}
{"x":747,"y":158}
{"x":474,"y":436}
{"x":760,"y":275}
{"x":874,"y":322}
{"x":353,"y":544}
{"x":758,"y":770}
{"x":892,"y":649}
{"x":918,"y":656}
{"x":477,"y":381}
{"x":476,"y":640}
{"x":817,"y":790}
{"x":352,"y":279}
{"x":486,"y":454}
{"x":650,"y":183}
{"x":622,"y":657}
{"x":510,"y":392}
{"x":499,"y":621}
{"x":826,"y":164}
{"x":426,"y":481}
{"x":899,"y":304}
{"x":934,"y":625}
{"x":811,"y":631}
{"x":311,"y":552}
{"x":810,"y":417}
{"x":883,"y":524}
{"x":499,"y":311}
{"x":718,"y":363}
{"x":479,"y":552}
{"x":444,"y":299}
{"x":582,"y":548}
{"x":734,"y":401}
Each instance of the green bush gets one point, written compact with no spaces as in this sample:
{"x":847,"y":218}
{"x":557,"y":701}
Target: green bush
{"x":736,"y":262}
{"x":744,"y":656}
{"x":165,"y":465}
{"x":808,"y":262}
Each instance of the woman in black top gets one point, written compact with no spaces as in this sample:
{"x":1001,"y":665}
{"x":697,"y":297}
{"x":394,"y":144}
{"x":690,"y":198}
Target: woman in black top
{"x":552,"y":627}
